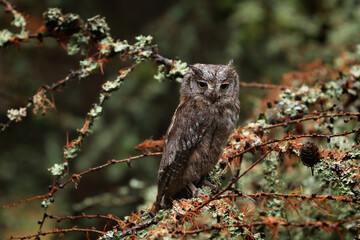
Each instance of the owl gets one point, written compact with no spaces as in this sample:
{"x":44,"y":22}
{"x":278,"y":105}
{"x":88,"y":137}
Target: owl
{"x":207,"y":114}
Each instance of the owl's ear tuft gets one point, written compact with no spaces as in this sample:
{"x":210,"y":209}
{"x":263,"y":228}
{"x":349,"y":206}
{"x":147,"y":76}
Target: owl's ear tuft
{"x":196,"y":70}
{"x":230,"y":64}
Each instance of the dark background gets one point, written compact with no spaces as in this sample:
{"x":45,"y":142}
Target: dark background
{"x":265,"y":38}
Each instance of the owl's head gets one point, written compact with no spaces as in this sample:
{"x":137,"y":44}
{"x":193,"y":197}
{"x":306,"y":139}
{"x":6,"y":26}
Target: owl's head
{"x":211,"y":83}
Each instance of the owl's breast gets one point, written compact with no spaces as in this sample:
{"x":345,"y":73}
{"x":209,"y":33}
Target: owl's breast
{"x":208,"y":151}
{"x":224,"y":119}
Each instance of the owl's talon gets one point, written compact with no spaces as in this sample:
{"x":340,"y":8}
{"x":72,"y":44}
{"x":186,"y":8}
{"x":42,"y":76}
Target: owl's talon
{"x":199,"y":193}
{"x":156,"y":207}
{"x":196,"y":192}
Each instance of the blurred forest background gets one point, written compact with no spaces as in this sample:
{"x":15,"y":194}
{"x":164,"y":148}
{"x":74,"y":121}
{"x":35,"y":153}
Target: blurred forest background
{"x":265,"y":38}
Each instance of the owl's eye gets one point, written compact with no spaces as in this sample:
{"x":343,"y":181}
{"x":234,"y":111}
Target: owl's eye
{"x":201,"y":84}
{"x":224,"y":86}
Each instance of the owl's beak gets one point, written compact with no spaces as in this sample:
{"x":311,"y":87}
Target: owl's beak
{"x":214,"y":96}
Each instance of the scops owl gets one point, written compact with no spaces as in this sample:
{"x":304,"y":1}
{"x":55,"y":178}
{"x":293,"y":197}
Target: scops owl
{"x":208,"y":112}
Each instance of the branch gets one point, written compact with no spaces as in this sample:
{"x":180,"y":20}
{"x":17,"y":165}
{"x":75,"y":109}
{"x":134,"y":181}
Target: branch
{"x":77,"y":177}
{"x":291,"y":195}
{"x":228,"y":187}
{"x":326,"y":225}
{"x":54,"y":231}
{"x":265,"y":86}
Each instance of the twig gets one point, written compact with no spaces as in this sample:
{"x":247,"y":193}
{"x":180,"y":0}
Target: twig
{"x":291,"y":195}
{"x":317,"y":224}
{"x":54,"y":231}
{"x":235,"y":179}
{"x":264,"y":86}
{"x":140,"y":226}
{"x":79,"y":175}
{"x":294,"y":137}
{"x":60,"y":218}
{"x":311,"y":118}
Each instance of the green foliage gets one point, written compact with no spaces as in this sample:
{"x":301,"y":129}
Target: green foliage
{"x":283,"y":201}
{"x":277,"y":198}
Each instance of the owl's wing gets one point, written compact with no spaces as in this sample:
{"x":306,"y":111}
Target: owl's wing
{"x":185,"y":132}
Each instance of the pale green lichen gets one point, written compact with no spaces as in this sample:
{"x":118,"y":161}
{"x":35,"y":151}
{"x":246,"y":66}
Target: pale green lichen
{"x":309,"y":95}
{"x":71,"y":152}
{"x":71,"y":24}
{"x":5,"y":36}
{"x":97,"y":27}
{"x":68,"y":24}
{"x":16,"y":115}
{"x":110,"y":86}
{"x":139,"y":57}
{"x":180,"y":68}
{"x":24,"y":34}
{"x":289,"y":107}
{"x":288,"y":104}
{"x":19,"y":20}
{"x":58,"y":169}
{"x":95,"y":111}
{"x":106,"y":45}
{"x":161,"y":75}
{"x":143,"y":41}
{"x":46,"y":203}
{"x":146,"y":53}
{"x":102,"y":98}
{"x":124,"y":73}
{"x":77,"y":43}
{"x":120,"y":46}
{"x":259,"y":123}
{"x":271,"y":175}
{"x":141,"y":50}
{"x":355,"y":71}
{"x":333,"y":90}
{"x":332,"y":173}
{"x":276,"y":208}
{"x":53,"y":18}
{"x":177,"y":72}
{"x":87,"y":66}
{"x":108,"y":235}
{"x":355,"y":153}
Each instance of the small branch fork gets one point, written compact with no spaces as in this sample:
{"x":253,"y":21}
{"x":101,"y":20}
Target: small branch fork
{"x":75,"y":74}
{"x":220,"y":194}
{"x":264,"y":86}
{"x":294,"y":137}
{"x":56,"y":231}
{"x":76,"y":177}
{"x":318,"y":199}
{"x":274,"y":224}
{"x":316,"y":117}
{"x":269,"y":221}
{"x":327,"y":225}
{"x":71,"y":218}
{"x":229,"y":186}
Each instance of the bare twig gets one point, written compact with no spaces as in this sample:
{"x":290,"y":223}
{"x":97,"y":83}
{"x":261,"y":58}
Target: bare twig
{"x":75,"y":177}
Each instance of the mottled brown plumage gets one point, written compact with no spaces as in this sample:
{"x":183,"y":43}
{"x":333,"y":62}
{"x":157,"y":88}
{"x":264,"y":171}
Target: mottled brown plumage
{"x":208,"y":112}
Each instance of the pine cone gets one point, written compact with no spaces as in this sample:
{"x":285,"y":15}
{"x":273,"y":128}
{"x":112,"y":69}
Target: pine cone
{"x":309,"y":154}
